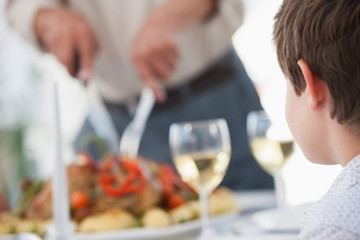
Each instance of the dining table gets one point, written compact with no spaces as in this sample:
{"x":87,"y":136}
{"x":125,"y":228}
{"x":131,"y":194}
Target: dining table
{"x":258,"y":218}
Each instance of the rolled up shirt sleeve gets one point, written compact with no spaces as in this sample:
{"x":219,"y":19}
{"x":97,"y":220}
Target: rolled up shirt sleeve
{"x":202,"y":44}
{"x":21,"y":15}
{"x":232,"y":12}
{"x":221,"y":27}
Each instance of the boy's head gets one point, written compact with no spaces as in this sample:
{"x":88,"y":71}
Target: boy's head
{"x":318,"y":48}
{"x":326,"y":35}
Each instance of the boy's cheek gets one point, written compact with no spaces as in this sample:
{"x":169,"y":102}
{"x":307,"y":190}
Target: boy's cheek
{"x":289,"y":107}
{"x":294,"y":116}
{"x":302,"y":129}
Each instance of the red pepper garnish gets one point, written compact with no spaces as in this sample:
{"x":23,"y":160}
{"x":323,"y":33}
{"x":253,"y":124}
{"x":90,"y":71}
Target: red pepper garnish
{"x":170,"y":182}
{"x":166,"y":178}
{"x":174,"y":200}
{"x":135,"y":181}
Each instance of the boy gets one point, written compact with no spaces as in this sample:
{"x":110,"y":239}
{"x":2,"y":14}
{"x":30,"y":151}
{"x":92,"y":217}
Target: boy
{"x":318,"y":48}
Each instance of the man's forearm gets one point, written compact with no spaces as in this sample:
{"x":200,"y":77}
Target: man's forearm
{"x":21,"y":14}
{"x":178,"y":14}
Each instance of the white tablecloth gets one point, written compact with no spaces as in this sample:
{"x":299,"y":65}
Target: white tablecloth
{"x":252,"y":223}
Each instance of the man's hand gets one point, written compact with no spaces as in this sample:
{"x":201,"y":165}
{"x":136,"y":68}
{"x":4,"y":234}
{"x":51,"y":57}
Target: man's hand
{"x":155,"y":52}
{"x":155,"y":55}
{"x":69,"y":37}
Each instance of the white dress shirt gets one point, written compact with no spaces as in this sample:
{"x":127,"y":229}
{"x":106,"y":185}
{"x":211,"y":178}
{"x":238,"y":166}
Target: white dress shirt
{"x":337,"y":215}
{"x":116,"y":23}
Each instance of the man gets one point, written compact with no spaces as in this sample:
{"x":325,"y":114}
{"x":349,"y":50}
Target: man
{"x":184,"y":45}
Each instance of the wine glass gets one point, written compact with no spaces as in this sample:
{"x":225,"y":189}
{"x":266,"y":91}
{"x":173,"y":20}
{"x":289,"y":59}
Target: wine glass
{"x":272,"y":146}
{"x":201,"y":153}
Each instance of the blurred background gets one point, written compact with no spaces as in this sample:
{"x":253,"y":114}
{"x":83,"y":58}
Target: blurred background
{"x":25,"y":105}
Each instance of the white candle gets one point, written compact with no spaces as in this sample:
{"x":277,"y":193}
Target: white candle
{"x":62,"y":228}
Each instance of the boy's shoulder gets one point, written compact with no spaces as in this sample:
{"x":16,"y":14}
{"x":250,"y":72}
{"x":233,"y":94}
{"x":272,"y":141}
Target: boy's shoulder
{"x":339,"y":209}
{"x":349,"y":179}
{"x":335,"y":216}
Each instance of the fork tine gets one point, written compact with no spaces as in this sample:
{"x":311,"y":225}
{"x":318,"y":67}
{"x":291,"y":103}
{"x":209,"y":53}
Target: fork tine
{"x":125,"y":140}
{"x":127,"y":146}
{"x":134,"y":144}
{"x":130,"y":140}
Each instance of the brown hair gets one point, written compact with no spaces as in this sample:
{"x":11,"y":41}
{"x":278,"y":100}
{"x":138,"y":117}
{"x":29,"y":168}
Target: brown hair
{"x":326,"y":34}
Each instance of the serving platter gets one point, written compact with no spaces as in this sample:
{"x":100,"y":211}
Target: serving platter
{"x":184,"y":230}
{"x":248,"y":201}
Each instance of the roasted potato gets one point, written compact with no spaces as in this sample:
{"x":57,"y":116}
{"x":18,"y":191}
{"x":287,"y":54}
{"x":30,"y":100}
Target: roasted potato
{"x":110,"y":220}
{"x":156,"y":217}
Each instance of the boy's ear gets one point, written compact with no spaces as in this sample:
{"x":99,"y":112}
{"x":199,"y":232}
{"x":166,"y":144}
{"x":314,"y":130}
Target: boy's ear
{"x":315,"y":88}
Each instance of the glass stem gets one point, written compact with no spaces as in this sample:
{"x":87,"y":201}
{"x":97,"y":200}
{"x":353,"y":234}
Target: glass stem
{"x":205,"y":221}
{"x":279,"y":189}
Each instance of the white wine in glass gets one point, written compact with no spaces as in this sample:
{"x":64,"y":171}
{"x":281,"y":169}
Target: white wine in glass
{"x":201,"y":154}
{"x":270,"y":147}
{"x":203,"y":170}
{"x":271,"y":154}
